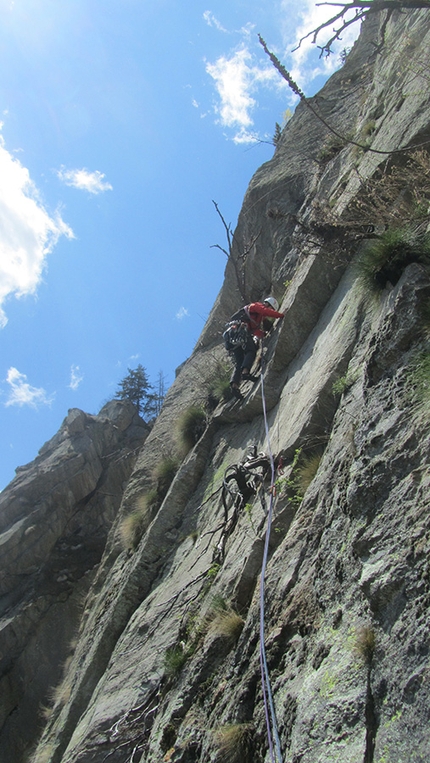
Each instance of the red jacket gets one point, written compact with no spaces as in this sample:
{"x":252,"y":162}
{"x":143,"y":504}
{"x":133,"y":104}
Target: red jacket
{"x":257,"y":312}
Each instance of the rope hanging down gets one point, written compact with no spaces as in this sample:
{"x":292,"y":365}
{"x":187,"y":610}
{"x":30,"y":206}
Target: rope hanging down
{"x":269,"y":707}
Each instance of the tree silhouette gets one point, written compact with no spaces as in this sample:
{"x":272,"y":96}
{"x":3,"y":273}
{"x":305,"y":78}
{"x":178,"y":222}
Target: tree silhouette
{"x":136,"y":388}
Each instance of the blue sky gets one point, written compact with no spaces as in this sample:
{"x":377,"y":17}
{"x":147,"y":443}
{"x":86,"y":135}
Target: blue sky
{"x":121,"y":121}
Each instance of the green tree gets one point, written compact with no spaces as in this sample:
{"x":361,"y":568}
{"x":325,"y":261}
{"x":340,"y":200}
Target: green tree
{"x":136,"y":388}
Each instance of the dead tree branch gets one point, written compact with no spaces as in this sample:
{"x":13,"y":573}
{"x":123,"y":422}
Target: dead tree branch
{"x":361,"y":9}
{"x":238,"y":260}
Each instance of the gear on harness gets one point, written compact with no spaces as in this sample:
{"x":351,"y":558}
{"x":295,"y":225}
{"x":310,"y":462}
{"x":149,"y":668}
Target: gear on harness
{"x":235,"y":335}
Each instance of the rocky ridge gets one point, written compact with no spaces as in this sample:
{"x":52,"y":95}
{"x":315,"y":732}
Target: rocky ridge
{"x":55,"y":516}
{"x":166,"y":661}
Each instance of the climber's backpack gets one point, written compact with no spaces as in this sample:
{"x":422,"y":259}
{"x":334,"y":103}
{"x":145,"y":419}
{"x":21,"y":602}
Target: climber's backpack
{"x":235,"y":335}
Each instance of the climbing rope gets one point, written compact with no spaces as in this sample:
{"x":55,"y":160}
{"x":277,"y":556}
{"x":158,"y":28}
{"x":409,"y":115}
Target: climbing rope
{"x":269,"y":707}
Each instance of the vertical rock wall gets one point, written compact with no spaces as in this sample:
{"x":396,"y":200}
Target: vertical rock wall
{"x":167,"y":660}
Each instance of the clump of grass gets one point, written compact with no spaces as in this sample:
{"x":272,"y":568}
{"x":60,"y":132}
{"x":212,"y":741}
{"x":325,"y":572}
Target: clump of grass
{"x":61,"y":694}
{"x":306,"y":471}
{"x":218,"y":386}
{"x":190,"y":427}
{"x":383,"y":260}
{"x":228,"y":624}
{"x":134,"y":524}
{"x":303,"y":471}
{"x":46,"y":712}
{"x":44,"y":754}
{"x":164,"y":474}
{"x":234,"y":743}
{"x":223,"y":620}
{"x":364,"y":644}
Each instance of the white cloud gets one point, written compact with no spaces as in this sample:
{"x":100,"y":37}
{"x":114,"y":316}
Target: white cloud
{"x":211,"y":20}
{"x":236,"y":78}
{"x":27,"y":232}
{"x":22,"y":393}
{"x":84,"y":180}
{"x":75,"y":377}
{"x":182,"y":313}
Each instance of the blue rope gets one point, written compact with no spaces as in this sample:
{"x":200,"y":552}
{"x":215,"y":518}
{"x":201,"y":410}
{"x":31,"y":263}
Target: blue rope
{"x":271,"y":723}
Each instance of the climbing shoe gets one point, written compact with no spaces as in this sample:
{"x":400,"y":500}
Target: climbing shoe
{"x":235,"y":391}
{"x":249,"y":377}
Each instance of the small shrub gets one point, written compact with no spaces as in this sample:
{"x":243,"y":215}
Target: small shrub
{"x":174,"y":660}
{"x":343,"y":383}
{"x":365,"y":642}
{"x":384,"y":259}
{"x":191,"y":425}
{"x":330,"y":150}
{"x":234,"y":742}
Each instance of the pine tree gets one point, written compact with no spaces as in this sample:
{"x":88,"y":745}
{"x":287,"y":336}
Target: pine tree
{"x":160,"y":394}
{"x":136,"y":388}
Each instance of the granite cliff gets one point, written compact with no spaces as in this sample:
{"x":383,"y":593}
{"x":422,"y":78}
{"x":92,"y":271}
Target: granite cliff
{"x":163,"y":653}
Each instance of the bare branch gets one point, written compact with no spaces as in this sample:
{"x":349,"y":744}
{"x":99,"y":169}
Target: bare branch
{"x":362,"y":8}
{"x":217,"y":246}
{"x":238,"y":259}
{"x":227,"y":227}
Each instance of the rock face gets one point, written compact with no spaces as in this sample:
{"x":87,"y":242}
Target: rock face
{"x":166,"y":662}
{"x":55,"y":516}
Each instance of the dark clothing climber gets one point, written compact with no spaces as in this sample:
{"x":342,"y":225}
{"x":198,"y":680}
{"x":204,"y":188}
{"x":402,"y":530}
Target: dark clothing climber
{"x":253,"y":326}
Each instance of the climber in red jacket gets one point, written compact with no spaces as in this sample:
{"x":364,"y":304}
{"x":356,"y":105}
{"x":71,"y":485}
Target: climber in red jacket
{"x":249,"y":323}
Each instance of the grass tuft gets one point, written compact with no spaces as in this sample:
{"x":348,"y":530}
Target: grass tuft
{"x":365,"y":642}
{"x":306,"y":471}
{"x":228,"y":624}
{"x":234,"y":743}
{"x":164,"y":474}
{"x":383,"y":260}
{"x":43,"y":755}
{"x":218,"y":386}
{"x":135,"y":523}
{"x":190,"y":427}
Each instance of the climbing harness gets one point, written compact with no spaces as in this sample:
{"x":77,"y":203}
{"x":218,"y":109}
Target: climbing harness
{"x":269,"y":707}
